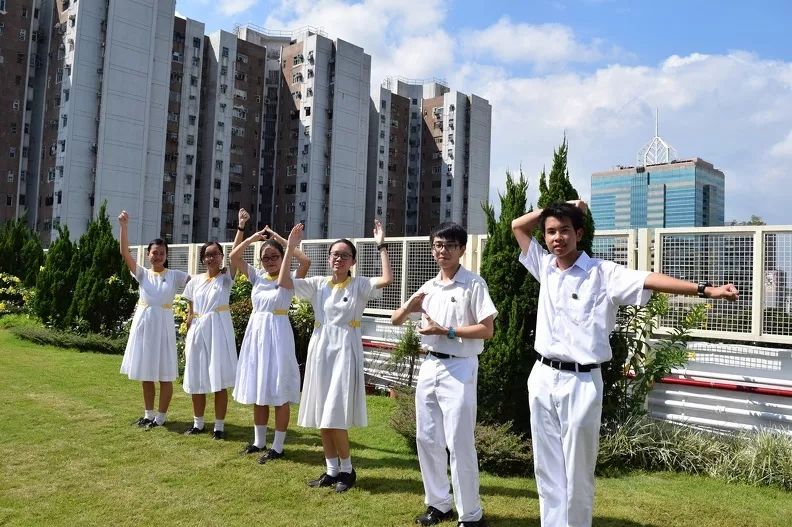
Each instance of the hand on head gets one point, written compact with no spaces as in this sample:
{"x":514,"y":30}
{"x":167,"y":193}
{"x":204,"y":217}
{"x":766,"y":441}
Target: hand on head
{"x":579,"y":203}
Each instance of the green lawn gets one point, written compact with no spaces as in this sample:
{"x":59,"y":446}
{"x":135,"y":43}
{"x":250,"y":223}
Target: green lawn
{"x":70,"y":457}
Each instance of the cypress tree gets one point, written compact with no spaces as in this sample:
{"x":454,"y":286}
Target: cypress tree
{"x":508,"y":355}
{"x":21,"y":253}
{"x":103,"y":295}
{"x":55,"y":283}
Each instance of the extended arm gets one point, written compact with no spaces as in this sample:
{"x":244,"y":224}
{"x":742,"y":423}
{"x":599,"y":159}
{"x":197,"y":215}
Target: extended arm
{"x":123,"y":241}
{"x":667,"y":284}
{"x":239,"y":263}
{"x":387,"y":274}
{"x":303,"y":263}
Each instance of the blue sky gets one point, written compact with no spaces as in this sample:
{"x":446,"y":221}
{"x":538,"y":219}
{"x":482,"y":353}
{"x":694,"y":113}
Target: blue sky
{"x":720,"y":73}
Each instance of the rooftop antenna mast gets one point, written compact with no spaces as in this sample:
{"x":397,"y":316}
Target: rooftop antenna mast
{"x":656,"y":151}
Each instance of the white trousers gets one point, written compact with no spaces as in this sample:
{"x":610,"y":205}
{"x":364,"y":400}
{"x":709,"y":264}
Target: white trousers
{"x":566,"y":408}
{"x":445,"y":412}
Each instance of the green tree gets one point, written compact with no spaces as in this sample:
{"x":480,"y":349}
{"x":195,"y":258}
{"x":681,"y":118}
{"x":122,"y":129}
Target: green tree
{"x":508,"y":355}
{"x":103,"y":295}
{"x":558,"y":187}
{"x":55,"y":283}
{"x":21,"y":253}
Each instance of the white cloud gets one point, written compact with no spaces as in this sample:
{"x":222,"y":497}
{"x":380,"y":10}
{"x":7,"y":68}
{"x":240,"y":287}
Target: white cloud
{"x":544,"y":44}
{"x":234,"y":7}
{"x":783,"y":148}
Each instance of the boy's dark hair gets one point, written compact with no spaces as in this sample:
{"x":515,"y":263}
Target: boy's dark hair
{"x":561,"y":210}
{"x":271,"y":243}
{"x":449,"y":231}
{"x":159,"y":241}
{"x":205,"y":246}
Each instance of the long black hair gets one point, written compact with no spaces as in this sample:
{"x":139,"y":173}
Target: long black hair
{"x":205,"y":246}
{"x":349,"y":244}
{"x":159,"y":241}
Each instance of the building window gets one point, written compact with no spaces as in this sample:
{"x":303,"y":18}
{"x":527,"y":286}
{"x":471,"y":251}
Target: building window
{"x":66,"y":95}
{"x":215,"y":222}
{"x":225,"y":52}
{"x":219,"y":164}
{"x":12,"y":152}
{"x":22,"y":34}
{"x":188,"y":159}
{"x":307,"y":111}
{"x":219,"y":146}
{"x":197,"y":43}
{"x":187,"y":199}
{"x":10,"y":178}
{"x":216,"y":203}
{"x":9,"y":200}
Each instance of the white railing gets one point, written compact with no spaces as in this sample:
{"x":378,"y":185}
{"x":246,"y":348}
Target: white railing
{"x":758,"y":260}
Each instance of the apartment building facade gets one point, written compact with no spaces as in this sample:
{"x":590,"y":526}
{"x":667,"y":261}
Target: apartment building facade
{"x":431,"y":157}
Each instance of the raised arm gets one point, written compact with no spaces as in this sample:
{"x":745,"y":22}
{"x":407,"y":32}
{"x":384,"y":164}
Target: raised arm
{"x":303,"y":263}
{"x":668,"y":284}
{"x":239,"y":264}
{"x":387,"y":274}
{"x":295,"y":237}
{"x":524,"y":226}
{"x":123,"y":241}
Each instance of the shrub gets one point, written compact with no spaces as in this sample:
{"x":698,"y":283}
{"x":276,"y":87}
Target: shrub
{"x":241,"y":289}
{"x":14,"y":296}
{"x":21,"y":253}
{"x":301,"y":316}
{"x":64,"y":339}
{"x":240,"y":315}
{"x":55,"y":282}
{"x":402,"y":359}
{"x":19,"y":319}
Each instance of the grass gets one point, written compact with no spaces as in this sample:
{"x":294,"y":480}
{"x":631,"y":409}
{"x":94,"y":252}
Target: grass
{"x":70,"y":456}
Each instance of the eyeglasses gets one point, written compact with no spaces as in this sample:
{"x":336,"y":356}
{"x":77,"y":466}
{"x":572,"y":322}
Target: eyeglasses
{"x":449,"y":246}
{"x":270,"y":258}
{"x":341,"y":256}
{"x":215,"y":255}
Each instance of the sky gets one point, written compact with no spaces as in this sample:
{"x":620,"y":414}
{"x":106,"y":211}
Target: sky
{"x":719,"y":73}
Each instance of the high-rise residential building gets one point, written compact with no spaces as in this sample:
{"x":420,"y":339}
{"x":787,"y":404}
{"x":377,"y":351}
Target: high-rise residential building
{"x":660,"y":191}
{"x":429,"y":154}
{"x":19,"y":69}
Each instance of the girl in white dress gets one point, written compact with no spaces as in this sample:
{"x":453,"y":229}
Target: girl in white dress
{"x":210,"y":349}
{"x":333,"y":397}
{"x":268,"y":374}
{"x":150,"y":354}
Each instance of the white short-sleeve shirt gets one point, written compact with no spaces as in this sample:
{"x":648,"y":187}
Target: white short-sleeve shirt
{"x":462,"y":302}
{"x":577,"y":306}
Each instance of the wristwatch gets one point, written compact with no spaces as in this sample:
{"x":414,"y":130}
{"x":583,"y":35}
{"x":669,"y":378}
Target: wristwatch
{"x":701,"y":287}
{"x":452,"y":333}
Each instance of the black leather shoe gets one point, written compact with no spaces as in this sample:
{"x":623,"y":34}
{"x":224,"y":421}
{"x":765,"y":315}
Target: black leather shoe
{"x":325,"y":480}
{"x":194,"y":431}
{"x":477,"y":523}
{"x":346,"y":480}
{"x":269,"y":455}
{"x":433,"y":516}
{"x":218,"y":435}
{"x":251,"y":449}
{"x":142,"y":422}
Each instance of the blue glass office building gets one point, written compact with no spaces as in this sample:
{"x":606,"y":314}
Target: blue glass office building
{"x":687,"y":193}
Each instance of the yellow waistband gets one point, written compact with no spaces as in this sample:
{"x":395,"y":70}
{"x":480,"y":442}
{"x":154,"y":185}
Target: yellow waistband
{"x":218,"y":309}
{"x":280,"y":311}
{"x":352,"y":323}
{"x":163,"y":306}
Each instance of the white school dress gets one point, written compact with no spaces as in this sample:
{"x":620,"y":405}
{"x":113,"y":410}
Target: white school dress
{"x":268,"y":374}
{"x":334,"y":392}
{"x":150,"y":353}
{"x":210,"y":349}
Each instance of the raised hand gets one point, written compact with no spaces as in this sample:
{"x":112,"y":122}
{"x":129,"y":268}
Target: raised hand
{"x":295,"y":236}
{"x":415,"y":303}
{"x":579,"y":203}
{"x":123,"y":218}
{"x":243,"y":217}
{"x":379,"y":232}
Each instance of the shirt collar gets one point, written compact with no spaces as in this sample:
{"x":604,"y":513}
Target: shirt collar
{"x":462,"y":276}
{"x":584,"y":262}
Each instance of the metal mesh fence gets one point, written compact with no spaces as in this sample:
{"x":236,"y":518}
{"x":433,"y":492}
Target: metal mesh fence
{"x":369,"y":264}
{"x":611,"y":247}
{"x":719,"y":258}
{"x":316,"y":251}
{"x":776,"y":293}
{"x":420,"y":265}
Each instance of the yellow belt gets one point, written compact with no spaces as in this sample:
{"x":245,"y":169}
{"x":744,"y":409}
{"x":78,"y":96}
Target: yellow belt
{"x":280,"y":311}
{"x":218,"y":309}
{"x":352,"y":323}
{"x":163,"y":306}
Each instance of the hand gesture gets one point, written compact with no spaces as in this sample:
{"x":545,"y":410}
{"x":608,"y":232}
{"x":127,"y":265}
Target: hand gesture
{"x":726,"y":292}
{"x":123,"y":218}
{"x":579,"y":203}
{"x":243,"y":217}
{"x":261,"y":235}
{"x":379,"y":232}
{"x":415,"y":303}
{"x":432,"y":328}
{"x":295,"y":236}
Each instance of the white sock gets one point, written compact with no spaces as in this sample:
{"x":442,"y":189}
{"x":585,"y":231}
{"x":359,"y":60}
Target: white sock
{"x":219,"y":425}
{"x":277,"y":442}
{"x":332,"y":466}
{"x":149,"y":414}
{"x":198,"y":422}
{"x":160,"y":418}
{"x":346,"y":465}
{"x":260,"y":436}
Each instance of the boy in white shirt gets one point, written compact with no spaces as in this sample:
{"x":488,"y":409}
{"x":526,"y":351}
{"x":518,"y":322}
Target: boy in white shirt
{"x":578,"y":301}
{"x":458,"y":316}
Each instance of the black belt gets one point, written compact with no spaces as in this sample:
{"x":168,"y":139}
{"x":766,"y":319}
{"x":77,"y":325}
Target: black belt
{"x":441,"y":355}
{"x":566,"y":366}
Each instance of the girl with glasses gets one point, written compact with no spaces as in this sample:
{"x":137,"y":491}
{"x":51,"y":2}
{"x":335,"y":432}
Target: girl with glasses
{"x":210,"y":347}
{"x":333,"y":397}
{"x":268,"y":374}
